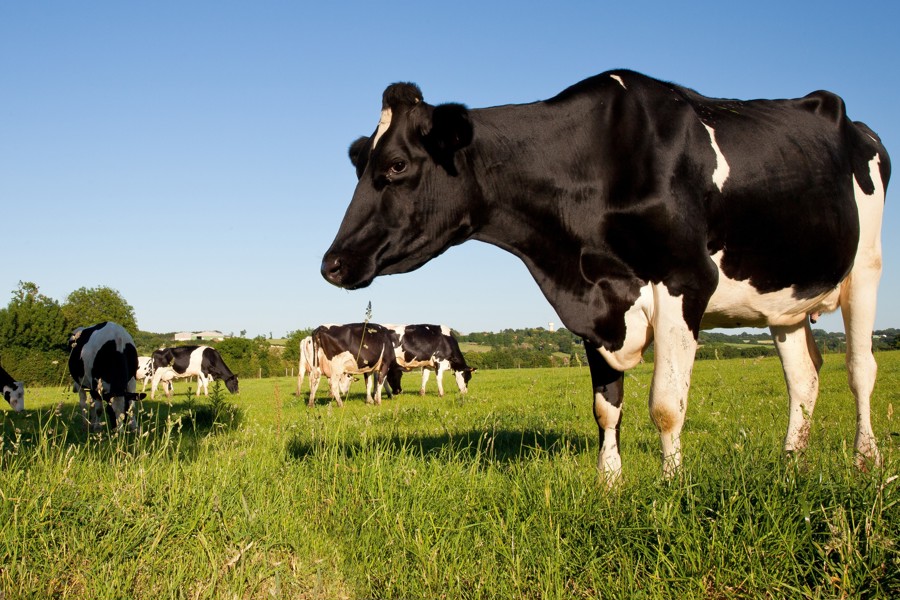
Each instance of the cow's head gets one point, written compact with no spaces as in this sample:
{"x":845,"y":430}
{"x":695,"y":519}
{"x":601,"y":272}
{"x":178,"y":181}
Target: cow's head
{"x":413,"y":197}
{"x":15,"y":395}
{"x":231,"y":383}
{"x":463,"y":377}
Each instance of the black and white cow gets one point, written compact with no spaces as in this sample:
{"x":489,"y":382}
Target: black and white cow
{"x":360,"y":348}
{"x":308,"y":366}
{"x":187,"y":361}
{"x":13,"y":391}
{"x":433,"y":348}
{"x":145,"y":373}
{"x":102,"y":362}
{"x":645,"y":212}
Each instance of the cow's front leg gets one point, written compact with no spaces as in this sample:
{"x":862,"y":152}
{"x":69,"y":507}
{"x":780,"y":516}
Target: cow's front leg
{"x":370,"y":386}
{"x":609,"y":394}
{"x":314,"y":377}
{"x":334,"y":386}
{"x":675,"y":348}
{"x":118,"y":405}
{"x":96,"y":409}
{"x":380,"y":377}
{"x":87,"y":412}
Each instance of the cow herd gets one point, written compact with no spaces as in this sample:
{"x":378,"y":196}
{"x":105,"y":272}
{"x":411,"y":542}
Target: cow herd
{"x":381,"y":353}
{"x":104,"y":364}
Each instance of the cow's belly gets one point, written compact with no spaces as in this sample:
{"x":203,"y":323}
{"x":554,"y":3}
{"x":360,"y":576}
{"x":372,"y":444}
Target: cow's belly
{"x":346,"y":362}
{"x":739,"y":304}
{"x":416,"y":363}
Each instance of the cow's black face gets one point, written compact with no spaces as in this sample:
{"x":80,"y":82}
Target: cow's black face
{"x":232,"y":384}
{"x":410,"y":202}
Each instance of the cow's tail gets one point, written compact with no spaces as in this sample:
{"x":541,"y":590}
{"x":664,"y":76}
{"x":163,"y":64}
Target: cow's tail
{"x":315,"y":351}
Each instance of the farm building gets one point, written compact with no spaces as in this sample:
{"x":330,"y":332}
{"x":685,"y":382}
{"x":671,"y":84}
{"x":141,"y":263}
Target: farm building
{"x":200,"y":336}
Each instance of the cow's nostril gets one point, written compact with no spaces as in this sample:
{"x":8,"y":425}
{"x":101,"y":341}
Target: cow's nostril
{"x":332,"y":268}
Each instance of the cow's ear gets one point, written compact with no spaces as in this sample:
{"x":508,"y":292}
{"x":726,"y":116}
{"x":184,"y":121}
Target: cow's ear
{"x":357,"y":149}
{"x":451,"y":131}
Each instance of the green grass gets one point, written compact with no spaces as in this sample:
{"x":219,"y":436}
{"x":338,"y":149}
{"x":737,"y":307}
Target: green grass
{"x":490,"y":495}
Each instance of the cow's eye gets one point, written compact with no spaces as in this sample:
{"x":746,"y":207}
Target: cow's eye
{"x":398,"y":167}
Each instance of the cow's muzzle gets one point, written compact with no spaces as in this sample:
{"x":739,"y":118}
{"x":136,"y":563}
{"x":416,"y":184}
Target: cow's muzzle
{"x":339,"y":270}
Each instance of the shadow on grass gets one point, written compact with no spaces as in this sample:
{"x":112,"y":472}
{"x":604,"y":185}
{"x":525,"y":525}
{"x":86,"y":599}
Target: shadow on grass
{"x":501,"y":445}
{"x":191,"y":417}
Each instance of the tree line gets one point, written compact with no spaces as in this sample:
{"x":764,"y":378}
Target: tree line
{"x":34,"y":331}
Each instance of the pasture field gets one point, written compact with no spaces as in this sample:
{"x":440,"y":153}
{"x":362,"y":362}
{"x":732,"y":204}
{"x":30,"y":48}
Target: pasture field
{"x":490,"y":495}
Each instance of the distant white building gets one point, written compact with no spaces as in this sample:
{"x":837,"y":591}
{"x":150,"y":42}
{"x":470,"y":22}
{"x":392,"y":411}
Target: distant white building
{"x":200,"y":336}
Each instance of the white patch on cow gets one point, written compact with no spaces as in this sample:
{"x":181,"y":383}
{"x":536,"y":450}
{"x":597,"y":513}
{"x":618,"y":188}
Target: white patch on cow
{"x":97,"y":340}
{"x":638,"y":333}
{"x":145,"y":368}
{"x":619,"y":79}
{"x":383,"y":123}
{"x":16,"y":395}
{"x":871,"y":212}
{"x":738,"y":304}
{"x":720,"y":175}
{"x":461,"y":382}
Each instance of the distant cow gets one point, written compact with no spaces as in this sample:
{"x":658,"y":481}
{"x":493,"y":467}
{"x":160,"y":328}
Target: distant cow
{"x":186,"y":361}
{"x":103,"y":362}
{"x":145,"y":373}
{"x":433,"y":348}
{"x":349,"y":349}
{"x":13,"y":391}
{"x":645,"y":212}
{"x":306,"y":366}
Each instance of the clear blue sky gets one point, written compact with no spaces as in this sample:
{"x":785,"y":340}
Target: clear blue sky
{"x":193,"y":155}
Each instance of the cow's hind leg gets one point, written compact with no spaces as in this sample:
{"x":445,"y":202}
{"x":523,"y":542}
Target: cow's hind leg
{"x":301,"y":373}
{"x":800,"y":361}
{"x":858,"y":300}
{"x":858,"y":309}
{"x":426,"y":372}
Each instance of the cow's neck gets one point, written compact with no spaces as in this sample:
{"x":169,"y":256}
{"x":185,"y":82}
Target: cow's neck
{"x":547,"y":215}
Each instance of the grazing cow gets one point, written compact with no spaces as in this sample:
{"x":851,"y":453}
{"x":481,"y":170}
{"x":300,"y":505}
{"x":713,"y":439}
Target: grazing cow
{"x":13,"y":391}
{"x":348,"y":349}
{"x":145,"y":373}
{"x":306,"y":365}
{"x":186,"y":361}
{"x":645,"y":212}
{"x":103,"y":361}
{"x":433,"y":348}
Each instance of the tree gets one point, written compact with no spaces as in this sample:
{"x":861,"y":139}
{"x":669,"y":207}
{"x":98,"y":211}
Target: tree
{"x":85,"y":307}
{"x":32,"y":320}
